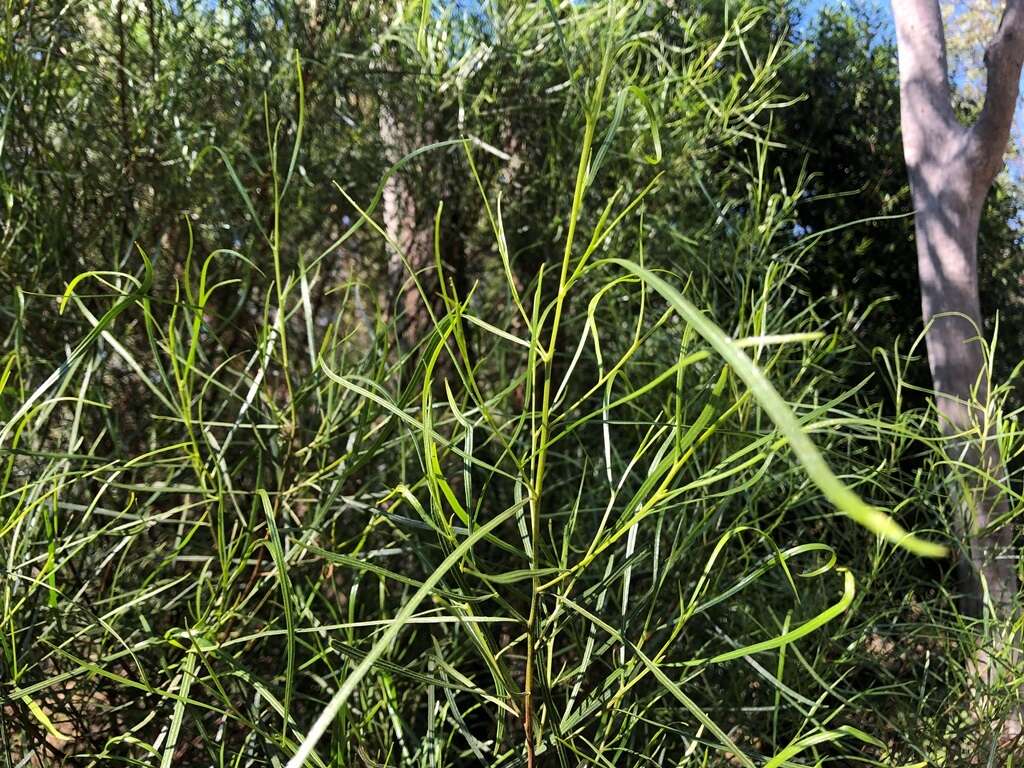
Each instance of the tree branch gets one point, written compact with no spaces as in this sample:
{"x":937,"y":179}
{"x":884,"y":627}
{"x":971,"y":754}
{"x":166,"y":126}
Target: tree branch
{"x":1003,"y":59}
{"x":926,"y":109}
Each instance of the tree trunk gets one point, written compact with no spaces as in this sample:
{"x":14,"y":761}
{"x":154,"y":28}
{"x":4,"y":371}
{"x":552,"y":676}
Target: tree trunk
{"x":411,"y":248}
{"x":951,"y":169}
{"x":947,"y":211}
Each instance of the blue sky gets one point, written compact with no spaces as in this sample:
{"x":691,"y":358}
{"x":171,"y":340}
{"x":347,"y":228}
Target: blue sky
{"x":879,"y":8}
{"x":884,"y":7}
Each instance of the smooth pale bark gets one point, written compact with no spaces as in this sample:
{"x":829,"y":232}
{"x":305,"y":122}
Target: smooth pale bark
{"x":951,"y":168}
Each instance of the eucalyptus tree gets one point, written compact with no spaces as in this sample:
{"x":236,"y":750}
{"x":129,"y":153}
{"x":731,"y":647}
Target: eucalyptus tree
{"x":952,"y":167}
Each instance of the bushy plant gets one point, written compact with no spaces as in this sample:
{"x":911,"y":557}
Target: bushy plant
{"x":622,"y":498}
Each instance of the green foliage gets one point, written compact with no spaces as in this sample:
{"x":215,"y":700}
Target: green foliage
{"x":600,"y":509}
{"x":844,"y":136}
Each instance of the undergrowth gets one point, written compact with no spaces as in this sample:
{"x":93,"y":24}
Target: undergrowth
{"x":627,"y":513}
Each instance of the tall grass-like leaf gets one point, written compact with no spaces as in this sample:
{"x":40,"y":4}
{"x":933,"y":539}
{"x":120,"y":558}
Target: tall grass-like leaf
{"x":389,"y":635}
{"x":872,"y":518}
